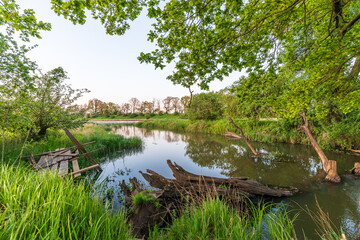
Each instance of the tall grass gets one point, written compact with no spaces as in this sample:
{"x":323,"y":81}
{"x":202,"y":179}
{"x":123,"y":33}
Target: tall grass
{"x":215,"y":220}
{"x":43,"y":206}
{"x":58,"y":139}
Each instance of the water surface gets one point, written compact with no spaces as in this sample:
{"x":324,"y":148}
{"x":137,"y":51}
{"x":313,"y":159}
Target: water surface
{"x":279,"y":165}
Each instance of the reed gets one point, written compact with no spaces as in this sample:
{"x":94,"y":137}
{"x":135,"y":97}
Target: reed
{"x":43,"y":206}
{"x":214,"y":219}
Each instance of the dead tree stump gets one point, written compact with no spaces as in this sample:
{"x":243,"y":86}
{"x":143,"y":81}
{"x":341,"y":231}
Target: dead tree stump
{"x":356,"y":169}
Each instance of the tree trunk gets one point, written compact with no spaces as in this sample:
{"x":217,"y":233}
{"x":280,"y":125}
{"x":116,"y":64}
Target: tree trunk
{"x":329,"y":166}
{"x":42,"y":131}
{"x":243,"y":136}
{"x":191,"y":96}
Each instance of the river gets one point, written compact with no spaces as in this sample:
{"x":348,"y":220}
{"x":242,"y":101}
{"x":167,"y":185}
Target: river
{"x":279,"y":165}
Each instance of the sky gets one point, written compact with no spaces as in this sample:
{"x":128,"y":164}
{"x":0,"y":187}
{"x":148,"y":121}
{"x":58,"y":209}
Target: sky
{"x":106,"y":65}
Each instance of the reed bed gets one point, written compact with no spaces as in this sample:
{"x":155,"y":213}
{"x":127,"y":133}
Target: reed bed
{"x":43,"y":206}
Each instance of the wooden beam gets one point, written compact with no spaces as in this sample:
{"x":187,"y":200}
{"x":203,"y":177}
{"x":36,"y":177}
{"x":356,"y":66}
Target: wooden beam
{"x":85,"y":169}
{"x":81,"y":148}
{"x":45,"y":153}
{"x":76,"y":168}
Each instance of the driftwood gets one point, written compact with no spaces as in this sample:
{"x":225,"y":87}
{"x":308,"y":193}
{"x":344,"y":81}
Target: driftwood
{"x":242,"y":136}
{"x":356,"y":169}
{"x":175,"y":193}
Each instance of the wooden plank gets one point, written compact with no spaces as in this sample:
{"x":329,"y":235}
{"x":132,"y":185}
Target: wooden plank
{"x":46,"y":153}
{"x":76,"y":168}
{"x":85,"y":169}
{"x":54,"y":167}
{"x":63,"y":168}
{"x":42,"y":161}
{"x":81,"y":148}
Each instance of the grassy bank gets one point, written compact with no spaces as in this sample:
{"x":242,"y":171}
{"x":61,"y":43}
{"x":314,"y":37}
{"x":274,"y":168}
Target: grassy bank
{"x":337,"y":137}
{"x":43,"y":206}
{"x":57,"y":139}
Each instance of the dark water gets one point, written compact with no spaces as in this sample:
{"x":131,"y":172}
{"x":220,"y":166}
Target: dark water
{"x":280,"y":165}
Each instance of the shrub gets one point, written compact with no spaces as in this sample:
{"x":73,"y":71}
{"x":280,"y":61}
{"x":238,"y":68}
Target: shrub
{"x":205,"y":106}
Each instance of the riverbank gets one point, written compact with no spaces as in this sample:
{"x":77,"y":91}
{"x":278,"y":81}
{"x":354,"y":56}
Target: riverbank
{"x":15,"y":146}
{"x":335,"y":137}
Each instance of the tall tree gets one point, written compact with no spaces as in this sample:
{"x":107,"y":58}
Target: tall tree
{"x":134,"y":102}
{"x":51,"y":97}
{"x":94,"y":105}
{"x":175,"y":101}
{"x":167,"y":104}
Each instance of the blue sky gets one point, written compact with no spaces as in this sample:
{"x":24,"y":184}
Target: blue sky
{"x":106,"y":65}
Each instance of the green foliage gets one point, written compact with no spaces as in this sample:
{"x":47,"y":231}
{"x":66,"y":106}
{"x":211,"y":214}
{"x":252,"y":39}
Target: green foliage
{"x":50,"y":98}
{"x":145,"y":198}
{"x":205,"y":106}
{"x":44,"y":206}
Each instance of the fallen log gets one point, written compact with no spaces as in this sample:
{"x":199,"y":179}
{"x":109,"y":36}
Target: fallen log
{"x":187,"y":187}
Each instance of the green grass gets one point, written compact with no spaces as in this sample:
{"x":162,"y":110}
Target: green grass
{"x":57,"y":139}
{"x":215,"y":220}
{"x":43,"y":206}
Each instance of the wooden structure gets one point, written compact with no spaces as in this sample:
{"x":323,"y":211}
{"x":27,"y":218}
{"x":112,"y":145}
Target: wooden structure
{"x":58,"y":160}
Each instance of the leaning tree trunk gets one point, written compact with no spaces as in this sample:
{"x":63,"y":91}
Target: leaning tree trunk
{"x":242,"y":136}
{"x":329,"y":166}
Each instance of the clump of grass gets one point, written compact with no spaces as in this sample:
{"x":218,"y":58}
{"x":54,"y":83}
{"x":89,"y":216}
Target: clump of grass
{"x":43,"y":206}
{"x":215,"y":220}
{"x":145,"y":198}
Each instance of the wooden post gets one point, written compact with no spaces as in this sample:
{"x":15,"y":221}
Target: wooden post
{"x":81,"y":148}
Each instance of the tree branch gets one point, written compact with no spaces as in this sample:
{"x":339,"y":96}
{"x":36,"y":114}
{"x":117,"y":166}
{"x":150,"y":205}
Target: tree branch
{"x":349,"y":25}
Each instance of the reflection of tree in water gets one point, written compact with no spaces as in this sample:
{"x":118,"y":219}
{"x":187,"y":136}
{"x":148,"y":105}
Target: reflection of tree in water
{"x":280,"y":164}
{"x":171,"y":136}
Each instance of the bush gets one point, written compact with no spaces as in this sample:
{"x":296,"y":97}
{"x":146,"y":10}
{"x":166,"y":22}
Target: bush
{"x":205,"y":106}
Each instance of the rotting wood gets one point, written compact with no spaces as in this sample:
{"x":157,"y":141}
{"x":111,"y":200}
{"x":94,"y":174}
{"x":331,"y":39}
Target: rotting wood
{"x":58,"y":160}
{"x":233,"y":187}
{"x":76,"y":168}
{"x":85,"y":169}
{"x":46,"y":153}
{"x":329,"y":166}
{"x":187,"y":187}
{"x":243,"y":136}
{"x":81,"y":148}
{"x":356,"y":169}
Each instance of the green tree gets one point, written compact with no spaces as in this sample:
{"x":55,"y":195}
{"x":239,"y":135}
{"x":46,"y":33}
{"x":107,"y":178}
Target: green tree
{"x":51,"y":98}
{"x":15,"y":68}
{"x":205,"y":106}
{"x":310,"y":45}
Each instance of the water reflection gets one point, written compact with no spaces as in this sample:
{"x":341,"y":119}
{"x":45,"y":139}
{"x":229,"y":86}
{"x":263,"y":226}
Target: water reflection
{"x":279,"y":164}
